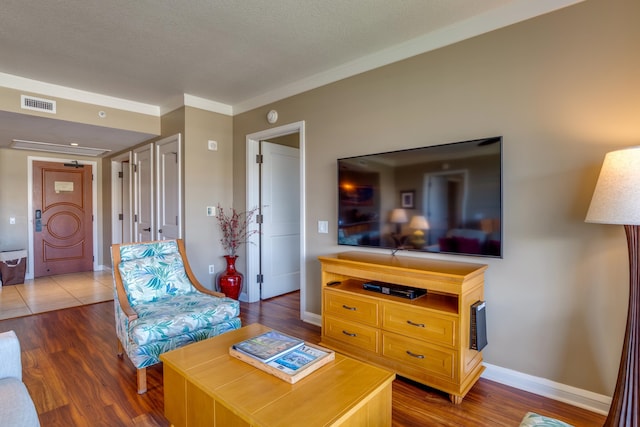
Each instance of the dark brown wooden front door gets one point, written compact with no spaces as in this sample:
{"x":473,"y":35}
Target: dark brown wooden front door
{"x":63,"y":237}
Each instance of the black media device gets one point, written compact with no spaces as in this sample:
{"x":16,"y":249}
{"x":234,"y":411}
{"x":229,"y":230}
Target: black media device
{"x":395,"y":290}
{"x":478,"y":338}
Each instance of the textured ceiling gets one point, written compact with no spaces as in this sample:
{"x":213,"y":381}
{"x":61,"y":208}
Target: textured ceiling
{"x":233,"y":52}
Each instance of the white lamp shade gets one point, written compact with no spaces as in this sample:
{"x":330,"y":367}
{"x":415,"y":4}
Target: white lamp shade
{"x":419,"y":222}
{"x":398,"y":216}
{"x":616,"y":199}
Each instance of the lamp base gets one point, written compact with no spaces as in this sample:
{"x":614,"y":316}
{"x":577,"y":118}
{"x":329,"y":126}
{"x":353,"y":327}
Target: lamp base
{"x":626,"y":396}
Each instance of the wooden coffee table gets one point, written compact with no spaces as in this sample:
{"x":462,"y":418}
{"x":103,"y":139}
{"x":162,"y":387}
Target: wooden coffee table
{"x":204,"y":385}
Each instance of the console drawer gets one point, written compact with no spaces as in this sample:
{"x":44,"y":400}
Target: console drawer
{"x":355,"y":334}
{"x":434,"y":359}
{"x":419,"y":323}
{"x":363,"y":310}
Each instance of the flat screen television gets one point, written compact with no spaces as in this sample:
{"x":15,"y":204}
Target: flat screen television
{"x":442,"y":199}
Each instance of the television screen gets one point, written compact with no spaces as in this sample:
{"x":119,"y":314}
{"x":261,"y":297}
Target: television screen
{"x":442,"y":198}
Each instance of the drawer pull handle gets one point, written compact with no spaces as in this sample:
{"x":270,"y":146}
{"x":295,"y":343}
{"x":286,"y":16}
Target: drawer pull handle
{"x":420,"y":325}
{"x":349,"y":334}
{"x":349,"y":308}
{"x":417,"y":356}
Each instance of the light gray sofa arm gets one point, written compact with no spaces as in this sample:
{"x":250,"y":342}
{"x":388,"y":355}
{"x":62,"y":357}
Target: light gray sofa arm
{"x":11,"y":365}
{"x":16,"y":407}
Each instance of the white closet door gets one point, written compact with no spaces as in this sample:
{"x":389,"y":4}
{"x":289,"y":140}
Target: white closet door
{"x":169,"y":187}
{"x":127,"y":220}
{"x":144,"y":194}
{"x":280,"y":248}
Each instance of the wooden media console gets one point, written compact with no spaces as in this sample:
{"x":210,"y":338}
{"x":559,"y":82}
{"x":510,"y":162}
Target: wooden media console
{"x":426,"y":339}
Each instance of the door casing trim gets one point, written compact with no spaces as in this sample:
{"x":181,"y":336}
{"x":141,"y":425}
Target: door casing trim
{"x":252,"y":199}
{"x":94,"y":208}
{"x":116,"y":198}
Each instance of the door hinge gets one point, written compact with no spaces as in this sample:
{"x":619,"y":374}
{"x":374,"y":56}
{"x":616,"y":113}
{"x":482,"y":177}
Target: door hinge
{"x":91,"y":218}
{"x":259,"y":219}
{"x":135,"y":218}
{"x":135,"y":168}
{"x":121,"y":217}
{"x":176,"y":219}
{"x":259,"y":278}
{"x":259,"y":158}
{"x":120,"y":174}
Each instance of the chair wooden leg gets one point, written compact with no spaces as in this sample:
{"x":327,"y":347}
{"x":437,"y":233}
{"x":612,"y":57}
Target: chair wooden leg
{"x":120,"y":350}
{"x":142,"y":380}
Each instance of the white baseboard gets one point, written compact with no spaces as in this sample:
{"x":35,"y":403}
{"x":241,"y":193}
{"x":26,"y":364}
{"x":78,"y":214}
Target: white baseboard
{"x":29,"y":275}
{"x":314,"y":319}
{"x":585,"y":399}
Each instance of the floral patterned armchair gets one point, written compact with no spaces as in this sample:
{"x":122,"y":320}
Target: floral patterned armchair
{"x":160,"y":305}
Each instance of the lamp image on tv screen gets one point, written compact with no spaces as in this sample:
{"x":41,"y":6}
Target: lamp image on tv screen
{"x":442,"y":198}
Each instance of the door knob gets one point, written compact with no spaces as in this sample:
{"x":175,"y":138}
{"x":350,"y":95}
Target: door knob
{"x":146,"y":229}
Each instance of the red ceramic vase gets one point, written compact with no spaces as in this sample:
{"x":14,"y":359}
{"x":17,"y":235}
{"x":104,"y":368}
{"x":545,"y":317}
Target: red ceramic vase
{"x":230,"y":281}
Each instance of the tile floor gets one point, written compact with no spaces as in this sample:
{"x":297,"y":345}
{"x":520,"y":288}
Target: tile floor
{"x":55,"y":292}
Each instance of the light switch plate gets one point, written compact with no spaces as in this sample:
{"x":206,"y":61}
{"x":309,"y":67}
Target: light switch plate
{"x":211,"y":211}
{"x":323,"y":227}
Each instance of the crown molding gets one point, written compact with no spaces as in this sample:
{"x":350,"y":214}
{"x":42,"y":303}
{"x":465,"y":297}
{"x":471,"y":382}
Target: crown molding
{"x":509,"y":14}
{"x":207,"y":104}
{"x":34,"y":86}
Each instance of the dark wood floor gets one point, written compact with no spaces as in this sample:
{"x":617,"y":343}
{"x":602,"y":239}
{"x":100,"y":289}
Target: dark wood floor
{"x":75,"y":378}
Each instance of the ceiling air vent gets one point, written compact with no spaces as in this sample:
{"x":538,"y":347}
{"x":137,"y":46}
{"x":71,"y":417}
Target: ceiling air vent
{"x":37,"y":104}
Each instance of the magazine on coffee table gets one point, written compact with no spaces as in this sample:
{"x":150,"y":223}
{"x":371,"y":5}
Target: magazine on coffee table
{"x":268,"y":346}
{"x":290,"y":365}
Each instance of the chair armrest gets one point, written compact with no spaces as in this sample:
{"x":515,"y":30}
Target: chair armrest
{"x":124,"y":303}
{"x":192,"y":278}
{"x":10,"y":363}
{"x":117,"y":279}
{"x":208,"y":291}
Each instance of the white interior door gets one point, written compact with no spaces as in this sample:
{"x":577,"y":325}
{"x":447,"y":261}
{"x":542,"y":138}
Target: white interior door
{"x":121,"y":199}
{"x":280,"y":238}
{"x":127,"y":208}
{"x":143,"y":193}
{"x":169,"y":188}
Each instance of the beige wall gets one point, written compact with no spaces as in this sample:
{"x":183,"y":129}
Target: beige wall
{"x":13,"y":199}
{"x":208,"y":181}
{"x":81,"y":112}
{"x":171,"y":123}
{"x":14,"y":196}
{"x":13,"y":165}
{"x":562,"y":89}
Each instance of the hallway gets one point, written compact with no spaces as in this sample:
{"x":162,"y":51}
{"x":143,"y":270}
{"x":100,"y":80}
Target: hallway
{"x":55,"y":292}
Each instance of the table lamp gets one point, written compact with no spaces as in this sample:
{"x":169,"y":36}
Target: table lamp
{"x":616,"y":200}
{"x":419,"y":223}
{"x":398,"y":217}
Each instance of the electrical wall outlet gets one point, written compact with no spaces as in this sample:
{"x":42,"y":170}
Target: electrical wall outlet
{"x":212,"y":269}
